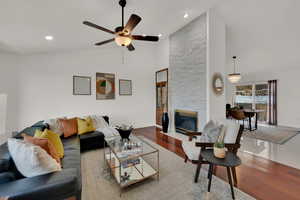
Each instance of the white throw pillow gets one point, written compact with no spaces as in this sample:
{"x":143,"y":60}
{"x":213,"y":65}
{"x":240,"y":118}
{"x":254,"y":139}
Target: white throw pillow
{"x":31,"y":160}
{"x":99,"y":121}
{"x":211,"y":132}
{"x":232,"y":131}
{"x":55,"y":125}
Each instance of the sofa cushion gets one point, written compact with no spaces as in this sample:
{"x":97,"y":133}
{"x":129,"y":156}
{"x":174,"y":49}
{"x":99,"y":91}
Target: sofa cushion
{"x":91,"y":140}
{"x":71,"y":143}
{"x":4,"y":158}
{"x":6,"y":177}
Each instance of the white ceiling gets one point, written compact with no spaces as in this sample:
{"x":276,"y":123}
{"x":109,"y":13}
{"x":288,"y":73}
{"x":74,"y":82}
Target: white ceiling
{"x":24,"y":24}
{"x":263,"y":34}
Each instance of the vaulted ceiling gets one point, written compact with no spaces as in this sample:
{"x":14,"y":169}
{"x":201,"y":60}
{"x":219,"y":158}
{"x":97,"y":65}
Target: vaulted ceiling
{"x":24,"y":24}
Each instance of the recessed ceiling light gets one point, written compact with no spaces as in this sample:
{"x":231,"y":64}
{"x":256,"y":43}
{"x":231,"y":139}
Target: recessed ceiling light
{"x":186,"y":15}
{"x":159,"y":35}
{"x":49,"y":37}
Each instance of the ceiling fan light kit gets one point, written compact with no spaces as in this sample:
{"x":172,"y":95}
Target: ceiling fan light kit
{"x":123,"y":34}
{"x":123,"y":41}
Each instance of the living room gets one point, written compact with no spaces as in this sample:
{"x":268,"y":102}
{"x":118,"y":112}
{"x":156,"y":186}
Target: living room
{"x":109,"y":117}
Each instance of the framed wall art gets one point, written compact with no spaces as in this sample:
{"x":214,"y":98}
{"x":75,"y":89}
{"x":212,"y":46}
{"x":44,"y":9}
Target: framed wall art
{"x":125,"y":87}
{"x":105,"y":86}
{"x":81,"y":85}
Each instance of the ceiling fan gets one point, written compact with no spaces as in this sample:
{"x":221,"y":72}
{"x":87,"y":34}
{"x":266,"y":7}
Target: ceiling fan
{"x":123,"y":34}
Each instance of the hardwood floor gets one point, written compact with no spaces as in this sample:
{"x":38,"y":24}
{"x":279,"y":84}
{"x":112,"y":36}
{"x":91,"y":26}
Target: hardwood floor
{"x":259,"y":177}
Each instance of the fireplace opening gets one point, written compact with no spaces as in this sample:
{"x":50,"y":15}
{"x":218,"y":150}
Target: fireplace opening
{"x":186,"y":121}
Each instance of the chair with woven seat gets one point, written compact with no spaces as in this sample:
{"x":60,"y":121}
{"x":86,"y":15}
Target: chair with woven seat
{"x":194,"y":146}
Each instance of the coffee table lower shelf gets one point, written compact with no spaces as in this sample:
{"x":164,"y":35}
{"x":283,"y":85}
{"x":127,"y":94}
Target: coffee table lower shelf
{"x":138,"y":172}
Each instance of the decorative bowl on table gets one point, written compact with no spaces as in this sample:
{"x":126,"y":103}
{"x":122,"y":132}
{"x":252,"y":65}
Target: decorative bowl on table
{"x":124,"y":131}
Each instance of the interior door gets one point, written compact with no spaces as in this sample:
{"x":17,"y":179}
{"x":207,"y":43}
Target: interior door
{"x":161,"y":78}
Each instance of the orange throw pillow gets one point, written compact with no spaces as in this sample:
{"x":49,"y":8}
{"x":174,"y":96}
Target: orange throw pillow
{"x":69,"y":126}
{"x":44,"y":144}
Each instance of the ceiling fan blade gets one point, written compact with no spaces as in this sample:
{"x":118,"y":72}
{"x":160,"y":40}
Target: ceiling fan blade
{"x":130,"y":47}
{"x":104,"y":42}
{"x":132,"y":22}
{"x":145,"y":38}
{"x":98,"y":27}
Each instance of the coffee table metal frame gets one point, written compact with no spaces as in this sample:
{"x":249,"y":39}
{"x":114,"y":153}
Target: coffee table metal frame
{"x":142,"y":170}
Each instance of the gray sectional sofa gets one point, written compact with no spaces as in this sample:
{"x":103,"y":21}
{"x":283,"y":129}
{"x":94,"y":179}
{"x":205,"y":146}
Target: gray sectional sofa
{"x":55,"y":186}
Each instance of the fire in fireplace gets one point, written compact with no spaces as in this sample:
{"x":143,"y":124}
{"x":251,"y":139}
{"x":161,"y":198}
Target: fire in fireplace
{"x":186,"y":121}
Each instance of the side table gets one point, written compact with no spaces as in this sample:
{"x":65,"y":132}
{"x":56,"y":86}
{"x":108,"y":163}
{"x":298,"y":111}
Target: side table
{"x":231,"y":160}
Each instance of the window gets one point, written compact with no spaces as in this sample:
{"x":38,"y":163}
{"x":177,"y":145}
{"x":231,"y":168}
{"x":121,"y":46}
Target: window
{"x":253,"y":96}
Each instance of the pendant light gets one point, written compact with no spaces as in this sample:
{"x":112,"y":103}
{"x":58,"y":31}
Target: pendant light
{"x":234,"y":77}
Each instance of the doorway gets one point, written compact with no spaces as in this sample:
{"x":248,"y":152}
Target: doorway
{"x":161,"y":81}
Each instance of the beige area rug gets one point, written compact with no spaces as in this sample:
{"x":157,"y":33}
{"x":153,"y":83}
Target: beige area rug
{"x":175,"y":183}
{"x":274,"y":134}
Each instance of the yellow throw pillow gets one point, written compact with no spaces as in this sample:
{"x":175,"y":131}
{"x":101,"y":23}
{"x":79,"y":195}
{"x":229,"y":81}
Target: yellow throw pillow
{"x":55,"y":140}
{"x":38,"y":133}
{"x":85,"y":125}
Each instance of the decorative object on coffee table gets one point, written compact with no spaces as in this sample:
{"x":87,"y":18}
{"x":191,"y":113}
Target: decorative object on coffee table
{"x":135,"y":160}
{"x":230,"y":161}
{"x":124,"y":131}
{"x":165,"y":121}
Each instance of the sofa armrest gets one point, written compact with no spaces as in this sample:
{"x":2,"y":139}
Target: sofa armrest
{"x":55,"y":186}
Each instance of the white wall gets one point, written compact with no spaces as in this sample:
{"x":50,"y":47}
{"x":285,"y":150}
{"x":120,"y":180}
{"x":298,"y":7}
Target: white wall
{"x":8,"y":91}
{"x":3,"y":108}
{"x":288,"y":93}
{"x":46,"y":85}
{"x":265,"y":39}
{"x":216,"y":57}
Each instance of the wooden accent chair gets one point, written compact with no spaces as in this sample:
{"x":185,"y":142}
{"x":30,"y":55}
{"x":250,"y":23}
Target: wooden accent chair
{"x":192,"y":148}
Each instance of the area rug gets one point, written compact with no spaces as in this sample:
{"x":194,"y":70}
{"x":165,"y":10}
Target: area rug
{"x":276,"y":134}
{"x":175,"y":183}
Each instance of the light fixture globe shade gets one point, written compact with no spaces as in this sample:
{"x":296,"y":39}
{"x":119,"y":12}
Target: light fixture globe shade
{"x":234,"y":78}
{"x":123,"y":41}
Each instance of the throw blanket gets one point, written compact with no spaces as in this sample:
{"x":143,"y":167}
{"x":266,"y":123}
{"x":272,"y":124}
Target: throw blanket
{"x":108,"y":131}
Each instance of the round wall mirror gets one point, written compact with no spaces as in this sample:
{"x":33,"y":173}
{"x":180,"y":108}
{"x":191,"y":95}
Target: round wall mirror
{"x":218,"y":84}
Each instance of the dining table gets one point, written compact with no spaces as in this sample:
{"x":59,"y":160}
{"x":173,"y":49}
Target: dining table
{"x":252,"y":113}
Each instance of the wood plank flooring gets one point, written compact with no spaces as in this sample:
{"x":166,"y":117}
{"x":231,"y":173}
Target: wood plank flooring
{"x":259,"y":177}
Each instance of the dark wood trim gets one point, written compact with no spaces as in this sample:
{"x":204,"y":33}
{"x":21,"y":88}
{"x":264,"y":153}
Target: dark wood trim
{"x":161,"y":84}
{"x":87,"y":77}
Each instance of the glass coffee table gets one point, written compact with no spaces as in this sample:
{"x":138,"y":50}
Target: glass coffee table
{"x":131,"y":161}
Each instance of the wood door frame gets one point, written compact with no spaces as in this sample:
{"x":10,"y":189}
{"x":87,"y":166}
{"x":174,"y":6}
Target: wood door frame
{"x":167,"y":87}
